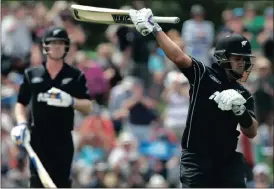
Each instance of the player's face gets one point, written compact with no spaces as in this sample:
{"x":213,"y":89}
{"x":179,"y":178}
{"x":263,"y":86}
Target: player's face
{"x":56,"y":49}
{"x":237,"y":64}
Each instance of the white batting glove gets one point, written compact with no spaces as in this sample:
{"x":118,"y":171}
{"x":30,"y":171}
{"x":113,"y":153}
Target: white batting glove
{"x":142,"y":19}
{"x":238,"y":110}
{"x":227,"y":99}
{"x":59,"y":98}
{"x":20,"y":135}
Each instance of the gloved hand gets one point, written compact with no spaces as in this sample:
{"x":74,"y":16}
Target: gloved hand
{"x":20,"y":135}
{"x":142,"y":19}
{"x":227,"y":99}
{"x":238,"y":110}
{"x":59,"y":98}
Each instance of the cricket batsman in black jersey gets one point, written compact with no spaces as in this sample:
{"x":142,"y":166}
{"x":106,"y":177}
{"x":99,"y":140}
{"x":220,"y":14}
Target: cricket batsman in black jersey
{"x":53,"y":90}
{"x":218,"y":104}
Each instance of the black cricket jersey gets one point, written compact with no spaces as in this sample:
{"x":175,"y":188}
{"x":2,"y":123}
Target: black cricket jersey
{"x":209,"y":130}
{"x":50,"y":119}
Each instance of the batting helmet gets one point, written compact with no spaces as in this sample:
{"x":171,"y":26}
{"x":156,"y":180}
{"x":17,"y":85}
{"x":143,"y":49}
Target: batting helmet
{"x":233,"y":44}
{"x":56,"y":34}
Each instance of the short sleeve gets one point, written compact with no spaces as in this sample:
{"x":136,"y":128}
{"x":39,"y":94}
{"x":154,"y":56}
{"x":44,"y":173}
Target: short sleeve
{"x":81,"y":90}
{"x":195,"y":72}
{"x":24,"y":95}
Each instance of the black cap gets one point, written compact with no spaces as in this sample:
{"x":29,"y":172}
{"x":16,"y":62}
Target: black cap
{"x":56,"y":33}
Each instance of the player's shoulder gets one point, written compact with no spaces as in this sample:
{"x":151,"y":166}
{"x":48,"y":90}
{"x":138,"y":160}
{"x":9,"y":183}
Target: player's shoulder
{"x":216,"y":71}
{"x":200,"y":65}
{"x":34,"y":69}
{"x":74,"y":70}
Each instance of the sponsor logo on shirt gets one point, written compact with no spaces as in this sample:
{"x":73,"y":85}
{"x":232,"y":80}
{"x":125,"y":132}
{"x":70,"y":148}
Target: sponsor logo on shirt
{"x":66,"y":81}
{"x":36,"y":80}
{"x":215,"y":79}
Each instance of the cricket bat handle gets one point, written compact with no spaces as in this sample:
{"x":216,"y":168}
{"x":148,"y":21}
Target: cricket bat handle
{"x":43,"y":174}
{"x":167,"y":20}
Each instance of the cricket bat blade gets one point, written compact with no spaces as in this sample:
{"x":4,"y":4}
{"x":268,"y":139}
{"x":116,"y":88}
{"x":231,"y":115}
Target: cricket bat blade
{"x":43,"y":174}
{"x":111,"y":16}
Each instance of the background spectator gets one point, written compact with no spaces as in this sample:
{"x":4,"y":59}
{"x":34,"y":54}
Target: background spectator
{"x":198,"y":35}
{"x":176,"y":99}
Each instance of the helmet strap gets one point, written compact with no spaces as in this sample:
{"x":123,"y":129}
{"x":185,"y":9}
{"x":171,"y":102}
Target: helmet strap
{"x":233,"y":74}
{"x":227,"y":67}
{"x":61,"y":58}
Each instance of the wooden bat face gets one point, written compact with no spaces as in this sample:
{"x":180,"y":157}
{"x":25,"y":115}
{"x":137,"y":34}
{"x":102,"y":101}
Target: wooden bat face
{"x":111,"y":16}
{"x":101,"y":15}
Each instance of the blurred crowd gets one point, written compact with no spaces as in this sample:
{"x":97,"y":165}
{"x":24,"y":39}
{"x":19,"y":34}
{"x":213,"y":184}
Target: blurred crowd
{"x":132,"y":137}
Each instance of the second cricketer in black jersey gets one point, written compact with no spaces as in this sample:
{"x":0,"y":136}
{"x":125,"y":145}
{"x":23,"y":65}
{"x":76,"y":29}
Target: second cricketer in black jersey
{"x":53,"y":90}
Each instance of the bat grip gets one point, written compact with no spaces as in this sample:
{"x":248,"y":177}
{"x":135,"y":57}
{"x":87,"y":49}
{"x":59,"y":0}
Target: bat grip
{"x":168,"y":20}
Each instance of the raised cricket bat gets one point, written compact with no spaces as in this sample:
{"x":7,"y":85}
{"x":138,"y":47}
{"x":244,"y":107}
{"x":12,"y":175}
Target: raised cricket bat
{"x":111,"y":16}
{"x":43,"y":174}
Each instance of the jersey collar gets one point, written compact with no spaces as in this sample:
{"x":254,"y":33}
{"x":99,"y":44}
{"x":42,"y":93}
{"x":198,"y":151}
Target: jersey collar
{"x":60,"y":74}
{"x":222,"y":74}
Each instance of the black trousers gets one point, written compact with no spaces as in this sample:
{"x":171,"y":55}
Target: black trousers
{"x":199,"y":172}
{"x":56,"y":158}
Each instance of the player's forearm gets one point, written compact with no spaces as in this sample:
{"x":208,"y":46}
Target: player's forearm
{"x":251,"y":131}
{"x":82,"y":105}
{"x":20,"y":114}
{"x":173,"y":51}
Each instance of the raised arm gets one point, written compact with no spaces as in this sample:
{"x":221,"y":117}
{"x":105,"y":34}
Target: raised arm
{"x":172,"y":50}
{"x":145,"y":25}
